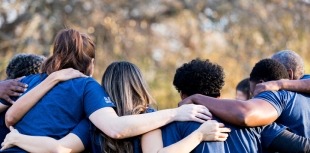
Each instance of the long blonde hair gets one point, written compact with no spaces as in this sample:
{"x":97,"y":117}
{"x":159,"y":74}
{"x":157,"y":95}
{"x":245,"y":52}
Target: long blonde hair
{"x":126,"y":87}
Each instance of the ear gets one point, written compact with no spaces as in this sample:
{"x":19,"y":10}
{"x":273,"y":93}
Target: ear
{"x":290,"y":74}
{"x":183,"y":96}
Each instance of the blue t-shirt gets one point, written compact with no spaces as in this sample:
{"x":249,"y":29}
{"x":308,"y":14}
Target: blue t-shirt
{"x":306,"y":76}
{"x":293,"y":109}
{"x":63,"y":107}
{"x":82,"y":130}
{"x":240,"y":139}
{"x":3,"y":129}
{"x":97,"y":140}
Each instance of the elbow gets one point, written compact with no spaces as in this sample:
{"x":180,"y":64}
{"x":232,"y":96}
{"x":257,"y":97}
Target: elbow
{"x":10,"y":120}
{"x":114,"y":134}
{"x":243,"y":119}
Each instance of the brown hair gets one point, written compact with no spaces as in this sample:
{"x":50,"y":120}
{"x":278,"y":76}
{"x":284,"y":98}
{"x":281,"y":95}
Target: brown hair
{"x":71,"y":50}
{"x":127,"y":88}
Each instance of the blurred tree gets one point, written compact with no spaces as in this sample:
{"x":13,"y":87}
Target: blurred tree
{"x":160,"y":35}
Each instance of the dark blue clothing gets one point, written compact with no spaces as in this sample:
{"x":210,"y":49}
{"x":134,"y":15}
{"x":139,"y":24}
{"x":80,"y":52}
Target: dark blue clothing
{"x":82,"y":131}
{"x":240,"y":139}
{"x":306,"y":76}
{"x":97,"y":140}
{"x":293,"y":109}
{"x":59,"y":111}
{"x":3,"y":129}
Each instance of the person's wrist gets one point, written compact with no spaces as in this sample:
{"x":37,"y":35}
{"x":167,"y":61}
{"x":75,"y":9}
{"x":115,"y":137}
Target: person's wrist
{"x":174,"y":113}
{"x":54,"y":77}
{"x":280,"y":84}
{"x":199,"y":134}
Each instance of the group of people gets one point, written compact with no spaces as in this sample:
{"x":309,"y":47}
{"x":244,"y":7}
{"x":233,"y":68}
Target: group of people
{"x":54,"y":105}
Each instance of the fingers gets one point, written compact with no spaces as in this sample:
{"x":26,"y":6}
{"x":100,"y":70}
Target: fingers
{"x":8,"y":99}
{"x":11,"y":128}
{"x":198,"y":120}
{"x":224,"y":130}
{"x":3,"y":146}
{"x":221,"y":136}
{"x":20,"y":78}
{"x":221,"y":124}
{"x":204,"y":110}
{"x":203,"y":116}
{"x":18,"y":83}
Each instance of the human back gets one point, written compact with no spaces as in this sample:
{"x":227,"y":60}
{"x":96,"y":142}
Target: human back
{"x":293,"y":109}
{"x":20,"y":65}
{"x":125,"y":85}
{"x":65,"y":105}
{"x":206,"y":78}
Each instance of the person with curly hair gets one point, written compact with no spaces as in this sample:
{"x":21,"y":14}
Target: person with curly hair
{"x":298,"y":80}
{"x":243,"y":90}
{"x":23,"y":65}
{"x":20,"y":65}
{"x":288,"y":108}
{"x":75,"y":100}
{"x":207,"y":78}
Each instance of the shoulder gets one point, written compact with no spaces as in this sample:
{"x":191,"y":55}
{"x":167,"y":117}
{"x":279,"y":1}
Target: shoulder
{"x":306,"y":76}
{"x":34,"y":78}
{"x":275,"y":95}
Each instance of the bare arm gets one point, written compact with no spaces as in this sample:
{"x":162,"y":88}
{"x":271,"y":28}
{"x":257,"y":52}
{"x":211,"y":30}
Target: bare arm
{"x":27,"y":101}
{"x":132,"y":125}
{"x":209,"y":131}
{"x":39,"y":144}
{"x":292,"y":85}
{"x":253,"y":112}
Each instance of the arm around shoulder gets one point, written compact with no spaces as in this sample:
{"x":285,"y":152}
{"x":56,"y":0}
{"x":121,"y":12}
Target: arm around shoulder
{"x":254,"y":112}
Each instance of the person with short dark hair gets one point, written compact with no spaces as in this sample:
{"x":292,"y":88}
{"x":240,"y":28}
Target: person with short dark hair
{"x":290,"y":109}
{"x":23,"y":65}
{"x":243,"y":90}
{"x":20,"y":65}
{"x":298,"y":81}
{"x":206,"y":78}
{"x":202,"y":77}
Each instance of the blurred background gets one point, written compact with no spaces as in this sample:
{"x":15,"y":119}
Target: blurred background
{"x":161,"y":35}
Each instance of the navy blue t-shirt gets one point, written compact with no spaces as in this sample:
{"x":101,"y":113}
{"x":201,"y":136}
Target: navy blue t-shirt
{"x":82,"y":130}
{"x":240,"y":139}
{"x":293,"y":109}
{"x":306,"y":76}
{"x":3,"y":129}
{"x":63,"y":107}
{"x":97,"y":140}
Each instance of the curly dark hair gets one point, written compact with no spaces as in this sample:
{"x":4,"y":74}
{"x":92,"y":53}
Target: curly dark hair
{"x":268,"y":70}
{"x":23,"y":65}
{"x":199,"y":77}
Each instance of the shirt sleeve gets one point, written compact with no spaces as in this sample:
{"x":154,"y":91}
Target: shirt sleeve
{"x":306,"y":76}
{"x":95,"y":97}
{"x":270,"y":132}
{"x":278,"y":99}
{"x":82,"y":130}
